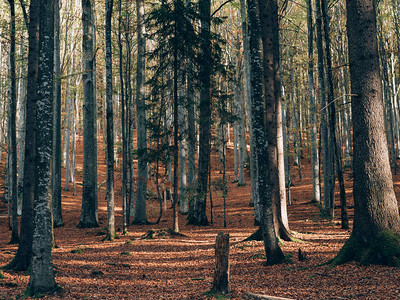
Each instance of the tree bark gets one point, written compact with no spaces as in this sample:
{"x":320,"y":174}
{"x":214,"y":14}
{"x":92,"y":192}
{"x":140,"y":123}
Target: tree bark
{"x":12,"y":147}
{"x":198,"y":216}
{"x":56,"y":158}
{"x":376,"y":215}
{"x":110,"y":126}
{"x":141,"y":192}
{"x":22,"y":259}
{"x":89,"y":214}
{"x":314,"y":141}
{"x":272,"y":249}
{"x":42,"y":275}
{"x":221,"y":282}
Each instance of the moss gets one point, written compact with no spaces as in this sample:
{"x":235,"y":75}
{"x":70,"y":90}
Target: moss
{"x":2,"y":275}
{"x":31,"y":293}
{"x":384,"y":249}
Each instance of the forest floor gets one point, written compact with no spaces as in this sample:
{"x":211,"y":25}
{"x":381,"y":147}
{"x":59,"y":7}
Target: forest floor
{"x":181,"y":267}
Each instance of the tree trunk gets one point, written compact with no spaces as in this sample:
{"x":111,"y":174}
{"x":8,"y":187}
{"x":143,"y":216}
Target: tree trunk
{"x":376,"y":216}
{"x":141,"y":192}
{"x":328,"y":167}
{"x":56,"y":158}
{"x":198,"y":216}
{"x":110,"y":127}
{"x":21,"y":129}
{"x":253,"y":163}
{"x":221,"y":281}
{"x":123,"y":122}
{"x":89,"y":215}
{"x":272,"y":249}
{"x":42,"y":275}
{"x":22,"y":259}
{"x":12,"y":147}
{"x":314,"y":141}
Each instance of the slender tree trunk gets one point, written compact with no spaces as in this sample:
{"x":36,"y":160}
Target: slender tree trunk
{"x":253,"y":163}
{"x":313,"y":106}
{"x":332,"y":118}
{"x":327,"y":153}
{"x":56,"y":158}
{"x":22,"y":259}
{"x":89,"y":214}
{"x":12,"y":147}
{"x":67,"y":133}
{"x":123,"y":122}
{"x":21,"y":129}
{"x":141,"y":192}
{"x":198,"y":216}
{"x":110,"y":126}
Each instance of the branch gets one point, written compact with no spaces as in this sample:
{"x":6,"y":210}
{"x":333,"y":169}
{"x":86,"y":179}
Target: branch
{"x":24,"y":12}
{"x":219,"y":8}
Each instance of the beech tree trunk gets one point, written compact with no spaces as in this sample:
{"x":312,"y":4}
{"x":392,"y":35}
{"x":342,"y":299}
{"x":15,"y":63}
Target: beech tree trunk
{"x":110,"y":126}
{"x":263,"y":180}
{"x":42,"y":275}
{"x":56,"y":159}
{"x":22,"y":259}
{"x":314,"y":141}
{"x":141,"y":192}
{"x":89,"y":216}
{"x":12,"y":147}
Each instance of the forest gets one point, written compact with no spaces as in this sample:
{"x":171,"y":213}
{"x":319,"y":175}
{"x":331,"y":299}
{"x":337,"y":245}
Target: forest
{"x":182,"y":149}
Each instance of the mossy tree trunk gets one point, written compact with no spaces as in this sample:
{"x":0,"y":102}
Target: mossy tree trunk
{"x":375,"y":237}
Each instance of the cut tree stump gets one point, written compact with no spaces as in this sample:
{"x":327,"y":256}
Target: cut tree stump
{"x":221,"y":282}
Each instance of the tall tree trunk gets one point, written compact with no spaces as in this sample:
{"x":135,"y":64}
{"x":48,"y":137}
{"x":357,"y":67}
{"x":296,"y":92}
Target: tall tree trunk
{"x":123,"y":122}
{"x":141,"y":192}
{"x":253,"y":163}
{"x":183,"y":199}
{"x":56,"y":158}
{"x":313,"y":106}
{"x":89,"y":214}
{"x":332,"y":118}
{"x":22,"y":259}
{"x":376,"y":215}
{"x":256,"y":11}
{"x":198,"y":216}
{"x":67,"y":133}
{"x":21,"y":129}
{"x":272,"y":93}
{"x":327,"y":153}
{"x":110,"y":126}
{"x":175,"y":225}
{"x":42,"y":275}
{"x":12,"y":147}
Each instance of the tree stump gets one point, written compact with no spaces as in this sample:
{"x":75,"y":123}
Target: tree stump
{"x":221,"y":272}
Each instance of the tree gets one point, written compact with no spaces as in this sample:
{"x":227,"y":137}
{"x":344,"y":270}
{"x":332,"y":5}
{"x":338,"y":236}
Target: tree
{"x":310,"y":73}
{"x":110,"y":128}
{"x":56,"y":163}
{"x":22,"y":259}
{"x":141,"y":191}
{"x":197,"y":215}
{"x":376,"y":232}
{"x":42,"y":274}
{"x":12,"y":147}
{"x":258,"y":109}
{"x":89,"y":216}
